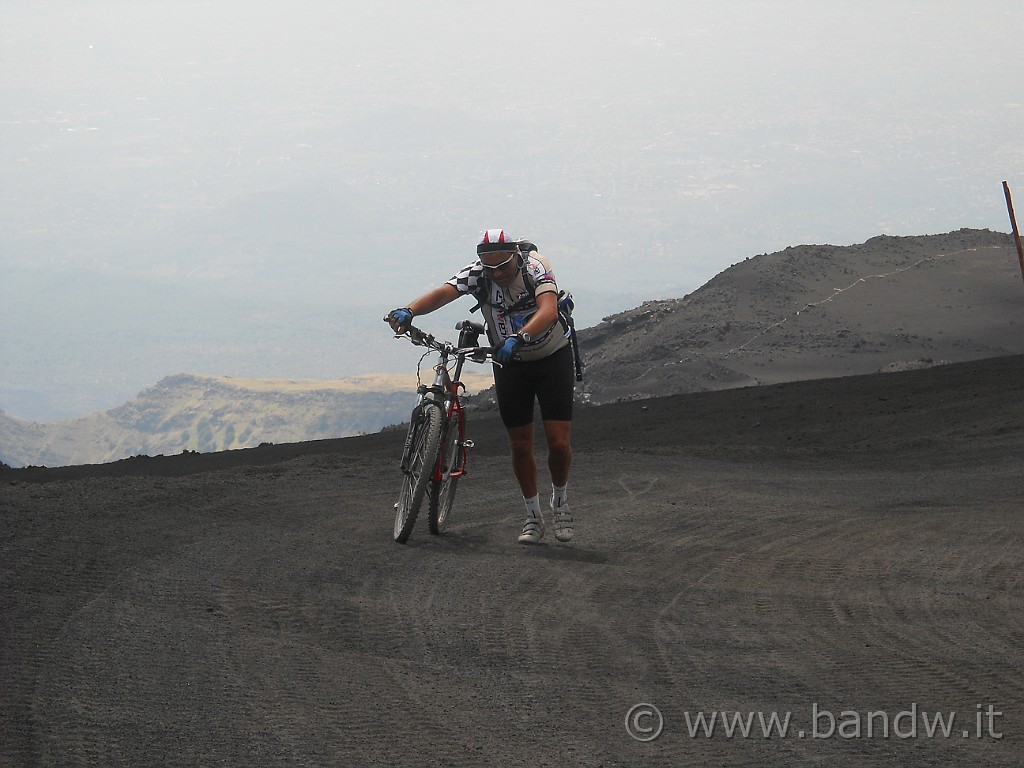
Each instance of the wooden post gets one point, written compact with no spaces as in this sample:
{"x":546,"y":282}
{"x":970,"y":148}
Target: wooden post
{"x":1013,"y":223}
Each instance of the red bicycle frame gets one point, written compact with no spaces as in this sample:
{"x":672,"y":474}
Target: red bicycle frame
{"x":454,"y":407}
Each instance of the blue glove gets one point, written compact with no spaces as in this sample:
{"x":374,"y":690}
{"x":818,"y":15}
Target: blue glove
{"x":400,"y":318}
{"x":507,"y":350}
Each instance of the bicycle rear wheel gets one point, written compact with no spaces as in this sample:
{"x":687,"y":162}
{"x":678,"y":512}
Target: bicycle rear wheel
{"x":422,"y":462}
{"x":442,"y":492}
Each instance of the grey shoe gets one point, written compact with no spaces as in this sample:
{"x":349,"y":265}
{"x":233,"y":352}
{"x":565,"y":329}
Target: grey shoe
{"x":564,"y":526}
{"x":533,"y":531}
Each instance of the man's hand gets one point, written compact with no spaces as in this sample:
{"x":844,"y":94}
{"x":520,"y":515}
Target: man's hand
{"x":400,"y":319}
{"x":507,"y":350}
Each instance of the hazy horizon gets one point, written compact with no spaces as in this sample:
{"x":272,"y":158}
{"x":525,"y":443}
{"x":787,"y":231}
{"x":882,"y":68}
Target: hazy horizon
{"x":245,"y":190}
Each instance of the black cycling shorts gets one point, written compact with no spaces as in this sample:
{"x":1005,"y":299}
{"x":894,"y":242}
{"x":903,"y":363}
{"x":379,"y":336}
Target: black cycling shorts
{"x":550,"y":382}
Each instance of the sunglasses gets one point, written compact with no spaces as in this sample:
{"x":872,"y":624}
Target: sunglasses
{"x":503,"y":264}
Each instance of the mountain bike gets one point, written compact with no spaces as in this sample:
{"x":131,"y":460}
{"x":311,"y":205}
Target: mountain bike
{"x":436,"y":449}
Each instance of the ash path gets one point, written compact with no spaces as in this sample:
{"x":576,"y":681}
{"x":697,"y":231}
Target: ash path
{"x":854,"y":543}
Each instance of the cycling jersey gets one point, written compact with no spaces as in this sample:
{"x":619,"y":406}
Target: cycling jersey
{"x":506,"y":310}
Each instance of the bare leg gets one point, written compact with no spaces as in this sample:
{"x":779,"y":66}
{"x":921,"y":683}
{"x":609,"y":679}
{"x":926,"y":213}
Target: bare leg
{"x":559,"y":461}
{"x":558,"y":435}
{"x":524,"y":461}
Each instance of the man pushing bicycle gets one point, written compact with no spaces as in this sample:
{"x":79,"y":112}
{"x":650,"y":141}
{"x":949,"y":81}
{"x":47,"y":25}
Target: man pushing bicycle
{"x":516,"y":290}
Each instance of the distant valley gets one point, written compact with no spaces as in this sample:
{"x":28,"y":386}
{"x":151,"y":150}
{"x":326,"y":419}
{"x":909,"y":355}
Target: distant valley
{"x":208,"y":413}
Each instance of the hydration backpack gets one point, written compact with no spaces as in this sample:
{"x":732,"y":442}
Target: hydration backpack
{"x":565,"y":304}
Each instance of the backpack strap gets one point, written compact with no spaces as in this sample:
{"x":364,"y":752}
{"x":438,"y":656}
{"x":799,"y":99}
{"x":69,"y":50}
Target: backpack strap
{"x":481,"y":292}
{"x":565,"y":307}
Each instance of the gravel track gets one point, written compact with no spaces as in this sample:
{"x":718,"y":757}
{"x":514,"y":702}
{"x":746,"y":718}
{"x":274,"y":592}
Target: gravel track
{"x":851,"y":545}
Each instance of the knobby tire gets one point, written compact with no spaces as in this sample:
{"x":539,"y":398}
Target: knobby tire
{"x":422,"y":462}
{"x":442,"y":492}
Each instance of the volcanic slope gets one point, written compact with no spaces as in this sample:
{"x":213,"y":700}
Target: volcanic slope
{"x":817,"y":311}
{"x":848,"y":546}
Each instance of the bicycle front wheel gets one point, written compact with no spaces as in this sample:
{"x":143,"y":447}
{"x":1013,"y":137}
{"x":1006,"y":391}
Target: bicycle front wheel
{"x":442,"y":492}
{"x":422,"y":462}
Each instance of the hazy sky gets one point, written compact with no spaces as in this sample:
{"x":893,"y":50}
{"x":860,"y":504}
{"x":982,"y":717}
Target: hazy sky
{"x":246,"y":188}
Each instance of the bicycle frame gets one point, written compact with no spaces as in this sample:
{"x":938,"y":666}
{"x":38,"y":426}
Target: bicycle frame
{"x":454,"y":407}
{"x":444,"y":391}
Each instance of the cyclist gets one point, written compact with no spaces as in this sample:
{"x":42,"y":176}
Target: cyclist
{"x":519,"y":298}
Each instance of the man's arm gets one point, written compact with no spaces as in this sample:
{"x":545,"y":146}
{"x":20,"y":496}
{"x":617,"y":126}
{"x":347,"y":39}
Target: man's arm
{"x":428,"y":302}
{"x":545,"y":316}
{"x":435,"y":299}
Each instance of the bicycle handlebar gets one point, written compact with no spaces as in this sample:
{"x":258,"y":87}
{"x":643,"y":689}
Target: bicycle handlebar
{"x":423,"y":339}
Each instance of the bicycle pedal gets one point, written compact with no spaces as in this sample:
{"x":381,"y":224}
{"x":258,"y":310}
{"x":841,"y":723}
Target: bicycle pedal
{"x":467,"y":444}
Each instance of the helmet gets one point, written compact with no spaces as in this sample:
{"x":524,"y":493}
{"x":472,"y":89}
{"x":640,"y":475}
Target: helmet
{"x":496,"y":240}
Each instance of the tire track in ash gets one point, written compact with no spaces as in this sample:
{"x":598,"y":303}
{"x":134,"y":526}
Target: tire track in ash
{"x":511,"y":641}
{"x":156,"y":658}
{"x":152,"y":661}
{"x":858,"y":623}
{"x":888,"y":611}
{"x":737,"y":582}
{"x":944,"y":578}
{"x":78,"y":696}
{"x":425,"y":670}
{"x":268,"y":619}
{"x":342,"y":636}
{"x":661,"y":532}
{"x":774,"y":591}
{"x":344,"y":642}
{"x":550,"y":629}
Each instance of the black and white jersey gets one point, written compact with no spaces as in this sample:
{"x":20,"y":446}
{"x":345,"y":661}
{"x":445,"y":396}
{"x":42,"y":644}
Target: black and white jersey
{"x":506,"y":310}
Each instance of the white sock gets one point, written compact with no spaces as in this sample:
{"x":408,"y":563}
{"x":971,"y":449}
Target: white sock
{"x":559,"y":495}
{"x":532,"y":506}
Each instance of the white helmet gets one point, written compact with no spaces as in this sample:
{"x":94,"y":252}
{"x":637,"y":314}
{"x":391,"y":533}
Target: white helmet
{"x":496,"y":240}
